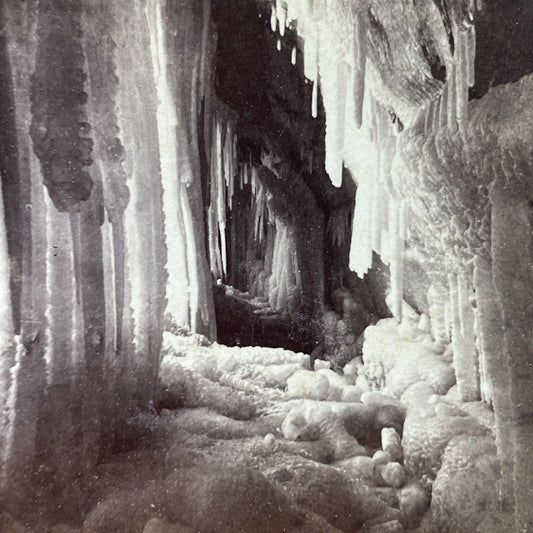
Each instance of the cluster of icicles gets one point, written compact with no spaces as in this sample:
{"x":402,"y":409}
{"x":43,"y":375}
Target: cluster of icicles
{"x":455,"y":316}
{"x":450,"y":109}
{"x":227,"y":173}
{"x":380,"y":222}
{"x":224,"y":166}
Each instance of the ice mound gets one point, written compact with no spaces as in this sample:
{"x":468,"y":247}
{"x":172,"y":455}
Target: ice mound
{"x":396,"y":356}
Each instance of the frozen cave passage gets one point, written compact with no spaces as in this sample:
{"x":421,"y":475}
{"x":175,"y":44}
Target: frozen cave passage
{"x":266,"y":266}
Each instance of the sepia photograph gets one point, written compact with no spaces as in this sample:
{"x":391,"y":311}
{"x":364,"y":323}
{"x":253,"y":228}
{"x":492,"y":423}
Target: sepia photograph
{"x":266,"y":266}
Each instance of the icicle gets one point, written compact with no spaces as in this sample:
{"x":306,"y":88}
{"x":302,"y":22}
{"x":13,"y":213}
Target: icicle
{"x":273,"y":19}
{"x":471,"y":55}
{"x":435,"y":119}
{"x":293,"y":55}
{"x":278,"y":45}
{"x":359,"y":67}
{"x":461,"y":85}
{"x":335,"y":127}
{"x":452,"y":99}
{"x":463,"y":337}
{"x":281,"y":16}
{"x":428,"y":116}
{"x":396,"y":262}
{"x":444,"y":104}
{"x":361,"y":246}
{"x":404,"y":219}
{"x":311,"y":54}
{"x":314,"y":99}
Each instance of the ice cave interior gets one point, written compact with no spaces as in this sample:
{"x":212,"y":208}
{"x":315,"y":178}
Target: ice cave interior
{"x":266,"y":266}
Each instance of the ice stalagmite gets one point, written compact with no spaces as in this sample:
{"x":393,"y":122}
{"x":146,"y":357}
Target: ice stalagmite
{"x":293,"y":55}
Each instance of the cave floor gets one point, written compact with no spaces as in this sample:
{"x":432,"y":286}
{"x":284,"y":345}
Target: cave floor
{"x":250,"y":439}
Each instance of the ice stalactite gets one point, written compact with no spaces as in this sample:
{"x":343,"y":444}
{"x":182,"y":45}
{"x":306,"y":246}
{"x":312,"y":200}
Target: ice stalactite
{"x":359,"y":67}
{"x":314,"y":98}
{"x":293,"y":55}
{"x":361,"y":246}
{"x":335,"y":122}
{"x":471,"y":56}
{"x":273,"y":19}
{"x":222,"y":178}
{"x":281,"y":15}
{"x":461,"y":78}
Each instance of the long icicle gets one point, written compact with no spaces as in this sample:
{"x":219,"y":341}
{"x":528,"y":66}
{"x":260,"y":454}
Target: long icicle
{"x":359,"y":67}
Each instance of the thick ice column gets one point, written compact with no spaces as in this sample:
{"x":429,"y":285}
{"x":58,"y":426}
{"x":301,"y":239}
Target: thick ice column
{"x":497,"y":365}
{"x":61,"y":291}
{"x":512,"y":254}
{"x":167,"y":121}
{"x":7,"y":344}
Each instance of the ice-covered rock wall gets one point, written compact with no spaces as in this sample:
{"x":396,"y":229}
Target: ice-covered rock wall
{"x":439,"y":179}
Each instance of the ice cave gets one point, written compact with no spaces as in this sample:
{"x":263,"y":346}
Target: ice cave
{"x":266,"y":266}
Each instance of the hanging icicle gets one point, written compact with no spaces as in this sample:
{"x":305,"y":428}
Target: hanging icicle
{"x":359,"y":67}
{"x":314,"y":98}
{"x":281,"y":16}
{"x":471,"y":55}
{"x":273,"y":19}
